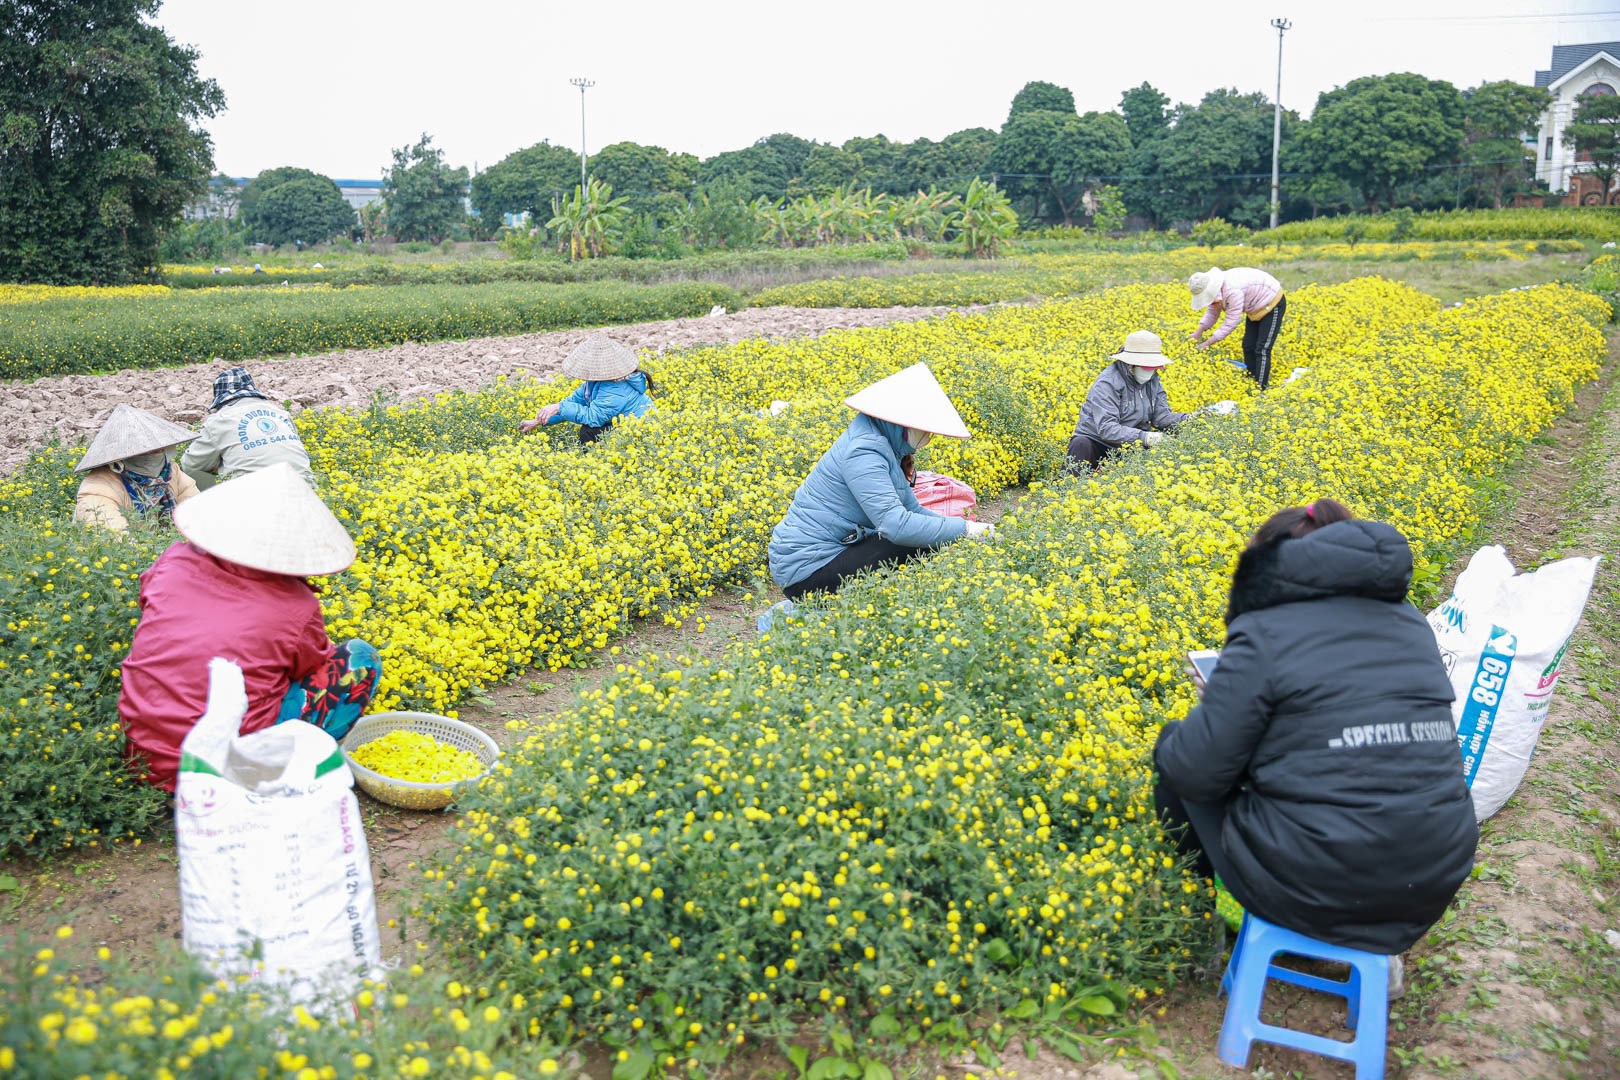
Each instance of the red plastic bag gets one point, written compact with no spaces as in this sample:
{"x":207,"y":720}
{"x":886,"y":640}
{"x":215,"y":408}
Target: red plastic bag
{"x":944,"y":495}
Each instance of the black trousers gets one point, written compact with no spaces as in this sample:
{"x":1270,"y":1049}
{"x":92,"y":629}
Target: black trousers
{"x":589,"y":434}
{"x":1085,"y":453}
{"x":1258,"y":338}
{"x":1197,"y":829}
{"x":861,"y":555}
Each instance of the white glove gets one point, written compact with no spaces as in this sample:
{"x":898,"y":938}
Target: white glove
{"x":1153,"y":438}
{"x":1220,"y":408}
{"x":980,"y":530}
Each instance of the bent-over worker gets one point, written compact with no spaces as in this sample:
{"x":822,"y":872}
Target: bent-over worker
{"x":243,"y":433}
{"x":611,"y":386}
{"x":235,"y":588}
{"x":856,"y":509}
{"x":1237,"y":293}
{"x":1127,"y":403}
{"x":130,"y":472}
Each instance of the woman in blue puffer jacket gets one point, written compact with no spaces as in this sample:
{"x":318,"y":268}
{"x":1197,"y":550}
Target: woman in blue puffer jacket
{"x":610,"y":387}
{"x":856,"y":509}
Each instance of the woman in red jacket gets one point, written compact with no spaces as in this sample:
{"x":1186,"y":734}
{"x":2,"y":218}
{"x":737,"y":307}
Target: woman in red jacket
{"x":236,"y":588}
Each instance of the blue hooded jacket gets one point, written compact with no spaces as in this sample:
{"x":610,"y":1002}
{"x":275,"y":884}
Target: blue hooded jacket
{"x":594,"y":404}
{"x":856,"y":489}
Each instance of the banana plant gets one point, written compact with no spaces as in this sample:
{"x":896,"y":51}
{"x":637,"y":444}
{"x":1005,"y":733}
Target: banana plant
{"x":986,"y":219}
{"x":588,"y":217}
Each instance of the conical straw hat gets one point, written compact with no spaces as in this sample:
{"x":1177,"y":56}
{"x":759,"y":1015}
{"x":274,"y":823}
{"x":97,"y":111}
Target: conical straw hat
{"x":268,"y":520}
{"x":599,"y":359}
{"x":130,"y":431}
{"x":911,"y":398}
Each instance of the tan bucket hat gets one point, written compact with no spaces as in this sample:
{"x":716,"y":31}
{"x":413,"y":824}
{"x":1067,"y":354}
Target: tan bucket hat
{"x":912,"y":398}
{"x":130,"y":431}
{"x":599,"y":359}
{"x":1205,"y":287}
{"x":268,"y":520}
{"x":1142,"y":349}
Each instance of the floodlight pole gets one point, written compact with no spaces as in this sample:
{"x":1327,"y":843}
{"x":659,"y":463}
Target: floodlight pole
{"x":1276,"y":125}
{"x":584,"y":85}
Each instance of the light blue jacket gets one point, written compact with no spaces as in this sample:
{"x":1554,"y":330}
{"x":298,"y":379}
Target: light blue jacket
{"x":857,"y":489}
{"x":594,"y":404}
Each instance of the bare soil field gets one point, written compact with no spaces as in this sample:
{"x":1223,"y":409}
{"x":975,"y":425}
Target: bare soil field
{"x":75,"y":406}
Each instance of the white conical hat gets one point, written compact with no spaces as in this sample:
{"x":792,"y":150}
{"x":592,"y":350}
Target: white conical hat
{"x":130,"y":431}
{"x":599,"y":359}
{"x":911,"y":398}
{"x":1205,"y":287}
{"x":268,"y":520}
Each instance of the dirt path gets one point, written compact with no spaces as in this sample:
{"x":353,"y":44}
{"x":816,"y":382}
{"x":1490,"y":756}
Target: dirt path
{"x":76,"y":405}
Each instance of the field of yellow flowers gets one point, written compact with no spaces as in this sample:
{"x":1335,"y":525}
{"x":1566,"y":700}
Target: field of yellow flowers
{"x":931,"y":797}
{"x":927,"y":800}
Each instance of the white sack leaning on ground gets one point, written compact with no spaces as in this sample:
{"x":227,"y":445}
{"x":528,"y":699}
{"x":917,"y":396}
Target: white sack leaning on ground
{"x":275,"y":876}
{"x":1502,"y":636}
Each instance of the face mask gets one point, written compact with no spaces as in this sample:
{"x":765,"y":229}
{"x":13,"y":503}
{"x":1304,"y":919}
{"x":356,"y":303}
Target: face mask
{"x":1143,"y":374}
{"x":147,"y":464}
{"x":918,"y":439}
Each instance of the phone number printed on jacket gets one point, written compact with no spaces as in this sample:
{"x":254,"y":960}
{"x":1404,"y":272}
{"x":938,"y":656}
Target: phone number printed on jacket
{"x":261,"y":427}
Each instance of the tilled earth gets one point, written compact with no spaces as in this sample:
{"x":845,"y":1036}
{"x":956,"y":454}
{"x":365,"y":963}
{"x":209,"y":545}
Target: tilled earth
{"x":75,"y":406}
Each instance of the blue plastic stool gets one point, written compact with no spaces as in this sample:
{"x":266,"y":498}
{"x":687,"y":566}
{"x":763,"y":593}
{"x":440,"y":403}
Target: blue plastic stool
{"x":782,"y":609}
{"x":1366,"y":992}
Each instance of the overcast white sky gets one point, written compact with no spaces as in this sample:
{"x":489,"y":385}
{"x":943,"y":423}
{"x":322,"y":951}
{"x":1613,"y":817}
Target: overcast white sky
{"x":333,"y":85}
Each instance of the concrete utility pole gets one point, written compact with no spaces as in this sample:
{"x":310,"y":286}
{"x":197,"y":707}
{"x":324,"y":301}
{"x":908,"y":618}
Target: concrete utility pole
{"x":586,"y":84}
{"x":1276,"y":125}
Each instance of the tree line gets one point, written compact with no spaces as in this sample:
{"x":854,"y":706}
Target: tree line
{"x":103,"y":149}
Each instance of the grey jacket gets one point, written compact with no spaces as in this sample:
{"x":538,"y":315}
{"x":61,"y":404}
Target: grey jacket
{"x":1119,"y":409}
{"x":242,"y":437}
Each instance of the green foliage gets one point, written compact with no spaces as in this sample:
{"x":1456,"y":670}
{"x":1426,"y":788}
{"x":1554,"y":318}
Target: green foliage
{"x":1595,"y":131}
{"x":1217,"y":231}
{"x":1551,"y":223}
{"x":1109,"y":216}
{"x":1497,"y":114}
{"x":61,"y":1015}
{"x":1146,"y":112}
{"x":524,"y":182}
{"x":590,"y":219}
{"x":423,"y":194}
{"x":1401,"y":221}
{"x":1210,"y":163}
{"x":1060,"y":155}
{"x":986,"y":220}
{"x":641,"y":173}
{"x":99,"y":145}
{"x":69,"y":593}
{"x":306,"y":210}
{"x":1041,"y":97}
{"x":57,"y":337}
{"x":1381,"y":131}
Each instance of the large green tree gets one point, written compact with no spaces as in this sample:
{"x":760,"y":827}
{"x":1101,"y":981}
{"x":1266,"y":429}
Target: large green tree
{"x":423,"y":194}
{"x":1216,"y":159}
{"x":1147,"y":120}
{"x":1496,"y":117}
{"x":1382,"y":131}
{"x":768,"y":168}
{"x":1055,"y":158}
{"x":524,"y":182}
{"x":1595,"y":132}
{"x":99,"y":148}
{"x":1041,"y":97}
{"x":304,"y":210}
{"x":639,"y":174}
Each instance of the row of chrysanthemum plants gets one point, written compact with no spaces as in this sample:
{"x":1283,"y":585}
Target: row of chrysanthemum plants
{"x":482,"y":552}
{"x":930,"y":798}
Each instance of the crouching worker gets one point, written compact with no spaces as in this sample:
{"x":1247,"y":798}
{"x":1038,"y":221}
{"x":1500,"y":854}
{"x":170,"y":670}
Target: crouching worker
{"x":244,"y":432}
{"x":1231,"y":296}
{"x":611,"y":386}
{"x":856,"y":509}
{"x":1127,"y":403}
{"x":1320,"y":773}
{"x":130,"y":472}
{"x":236,"y":588}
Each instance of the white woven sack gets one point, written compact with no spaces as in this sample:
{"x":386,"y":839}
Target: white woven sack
{"x":1502,"y":635}
{"x":275,"y":875}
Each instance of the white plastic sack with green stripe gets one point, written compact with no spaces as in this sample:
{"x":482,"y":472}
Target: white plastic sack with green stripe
{"x":275,"y":875}
{"x":1502,"y":635}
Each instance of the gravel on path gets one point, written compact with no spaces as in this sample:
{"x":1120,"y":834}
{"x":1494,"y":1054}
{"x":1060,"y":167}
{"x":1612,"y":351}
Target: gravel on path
{"x":75,"y":406}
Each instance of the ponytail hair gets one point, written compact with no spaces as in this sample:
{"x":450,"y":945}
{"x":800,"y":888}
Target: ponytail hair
{"x":1299,"y":521}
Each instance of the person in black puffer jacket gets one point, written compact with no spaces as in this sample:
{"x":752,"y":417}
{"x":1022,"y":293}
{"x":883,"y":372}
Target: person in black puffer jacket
{"x":1320,"y":773}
